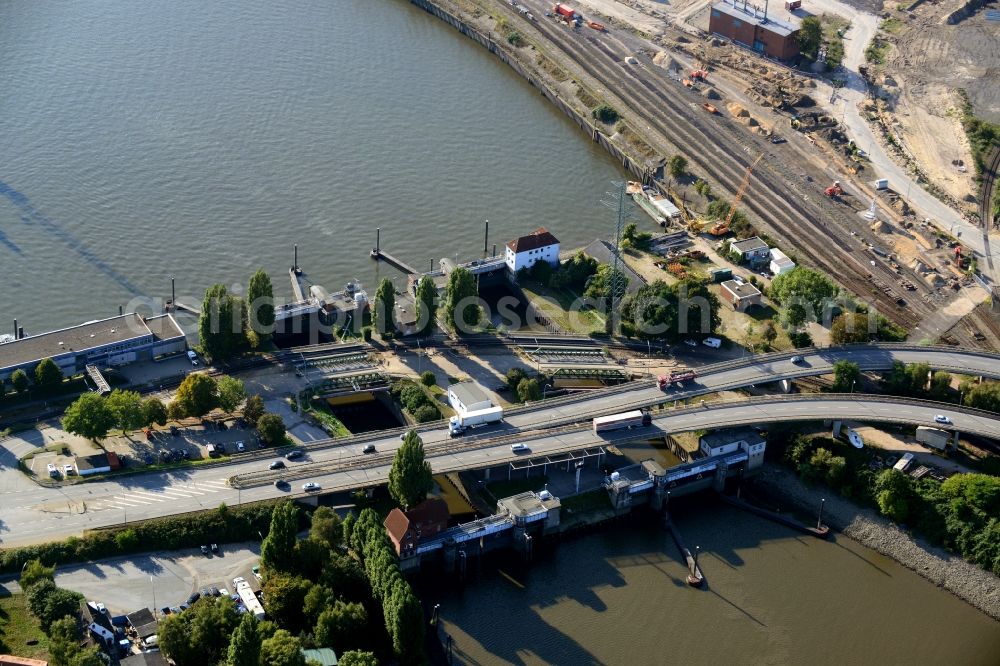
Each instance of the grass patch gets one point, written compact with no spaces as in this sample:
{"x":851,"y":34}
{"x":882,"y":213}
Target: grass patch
{"x":982,"y":134}
{"x":595,"y":500}
{"x":877,"y":51}
{"x":555,"y":304}
{"x":834,"y":28}
{"x":327,"y":419}
{"x":588,"y":100}
{"x":553,"y":69}
{"x":892,"y":25}
{"x":501,"y":489}
{"x":18,"y":628}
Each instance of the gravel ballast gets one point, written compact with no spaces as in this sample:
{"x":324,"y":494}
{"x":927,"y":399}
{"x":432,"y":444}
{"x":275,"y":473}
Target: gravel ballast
{"x":968,"y":582}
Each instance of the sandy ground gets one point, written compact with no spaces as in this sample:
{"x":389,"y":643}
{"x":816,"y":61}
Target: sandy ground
{"x":899,"y":444}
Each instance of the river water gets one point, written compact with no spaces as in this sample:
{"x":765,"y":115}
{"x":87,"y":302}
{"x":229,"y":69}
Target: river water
{"x":145,"y":139}
{"x":618,"y":596}
{"x":202,"y":139}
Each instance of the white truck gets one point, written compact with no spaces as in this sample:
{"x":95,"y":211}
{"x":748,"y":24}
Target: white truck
{"x":457,"y":425}
{"x":625,"y":420}
{"x":249,"y":599}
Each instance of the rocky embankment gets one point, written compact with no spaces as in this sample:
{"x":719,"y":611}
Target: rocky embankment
{"x":966,"y":581}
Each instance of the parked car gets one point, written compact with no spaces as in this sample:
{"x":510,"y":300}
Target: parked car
{"x":256,"y":573}
{"x":68,"y":469}
{"x":53,"y":471}
{"x":165,"y":610}
{"x":277,"y":464}
{"x":214,"y":591}
{"x":370,"y":448}
{"x":193,"y":358}
{"x":309,"y":487}
{"x":240,"y":447}
{"x":215,"y":548}
{"x":204,"y":550}
{"x":205,"y":592}
{"x":691,"y":343}
{"x":195,"y":596}
{"x":941,"y":418}
{"x":292,"y":455}
{"x":175,"y":609}
{"x":182,"y":607}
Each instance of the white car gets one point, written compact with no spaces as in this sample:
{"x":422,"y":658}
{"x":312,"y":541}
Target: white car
{"x":68,"y":470}
{"x":691,"y":343}
{"x":193,"y":358}
{"x":518,"y":448}
{"x":309,"y":487}
{"x":240,"y":447}
{"x":53,"y":470}
{"x":941,"y":418}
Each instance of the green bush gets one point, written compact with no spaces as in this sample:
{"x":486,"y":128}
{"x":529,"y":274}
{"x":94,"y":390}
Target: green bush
{"x":426,"y":414}
{"x":427,"y":378}
{"x":606,"y":114}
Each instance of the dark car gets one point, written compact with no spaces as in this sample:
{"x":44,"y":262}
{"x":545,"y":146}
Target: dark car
{"x":204,"y":550}
{"x":369,"y":449}
{"x":292,"y":455}
{"x":277,"y":464}
{"x":215,"y":548}
{"x":183,"y":607}
{"x":175,"y":609}
{"x":205,"y":592}
{"x":195,"y":596}
{"x":165,"y":610}
{"x":281,"y":484}
{"x":214,"y":591}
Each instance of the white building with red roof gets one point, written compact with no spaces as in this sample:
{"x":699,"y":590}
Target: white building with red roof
{"x":526,"y":251}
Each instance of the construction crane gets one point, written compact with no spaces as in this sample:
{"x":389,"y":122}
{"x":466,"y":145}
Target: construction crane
{"x":740,"y":192}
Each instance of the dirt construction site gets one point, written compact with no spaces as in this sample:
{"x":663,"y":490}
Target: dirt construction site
{"x":745,"y":107}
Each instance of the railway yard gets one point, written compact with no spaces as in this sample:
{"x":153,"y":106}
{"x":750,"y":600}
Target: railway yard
{"x":905,"y":269}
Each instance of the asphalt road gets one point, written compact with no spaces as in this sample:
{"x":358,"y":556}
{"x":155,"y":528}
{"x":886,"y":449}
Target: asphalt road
{"x":43,"y":514}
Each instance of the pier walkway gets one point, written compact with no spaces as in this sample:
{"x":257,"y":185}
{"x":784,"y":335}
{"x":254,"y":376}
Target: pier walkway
{"x":294,"y":274}
{"x":378,"y":253}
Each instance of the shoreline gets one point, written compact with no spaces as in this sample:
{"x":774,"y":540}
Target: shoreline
{"x":975,"y":586}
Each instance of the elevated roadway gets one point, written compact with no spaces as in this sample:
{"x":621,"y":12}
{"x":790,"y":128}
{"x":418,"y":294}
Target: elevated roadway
{"x":552,"y":426}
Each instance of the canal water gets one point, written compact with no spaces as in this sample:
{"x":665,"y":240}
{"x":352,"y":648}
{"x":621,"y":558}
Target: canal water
{"x":145,"y":139}
{"x":618,"y":596}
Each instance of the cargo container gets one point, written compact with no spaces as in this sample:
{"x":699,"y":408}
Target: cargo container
{"x":721,"y":274}
{"x":624,"y":420}
{"x":935,"y":438}
{"x":563,"y":10}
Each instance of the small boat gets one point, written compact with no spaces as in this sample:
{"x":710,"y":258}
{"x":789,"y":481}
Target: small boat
{"x":644,"y":203}
{"x":596,"y":26}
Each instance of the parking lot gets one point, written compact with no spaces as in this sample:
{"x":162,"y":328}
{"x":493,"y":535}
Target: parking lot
{"x":155,"y":581}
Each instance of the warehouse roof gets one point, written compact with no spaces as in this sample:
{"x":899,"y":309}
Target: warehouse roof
{"x":748,"y":245}
{"x":76,"y":339}
{"x":723,"y":437}
{"x":740,"y":289}
{"x":469,"y":393}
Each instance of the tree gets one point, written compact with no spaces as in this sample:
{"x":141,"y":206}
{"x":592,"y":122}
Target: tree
{"x":462,"y":311}
{"x":277,"y":547}
{"x":89,"y":417}
{"x":126,"y":407}
{"x":57,"y":604}
{"x":427,"y":378}
{"x":632,"y":237}
{"x":426,"y":413}
{"x":984,"y":396}
{"x":153,"y":411}
{"x":318,"y":598}
{"x":658,"y":310}
{"x":19,"y":380}
{"x":528,"y":390}
{"x":703,"y":188}
{"x":201,"y":634}
{"x":940,"y":385}
{"x":220,"y":325}
{"x":810,"y":36}
{"x":326,"y":527}
{"x":357,"y":658}
{"x":253,"y":409}
{"x":64,"y":641}
{"x":805,"y":294}
{"x":33,"y":572}
{"x":384,"y":306}
{"x":343,"y":574}
{"x":426,"y":304}
{"x":894,"y":494}
{"x":574,"y":272}
{"x":231,"y":393}
{"x":271,"y":429}
{"x":410,"y":477}
{"x":48,"y":375}
{"x":514,"y":377}
{"x":406,"y":623}
{"x":196,"y":396}
{"x":849,"y":328}
{"x":599,"y":284}
{"x":340,"y":625}
{"x":677,"y":166}
{"x":284,"y":599}
{"x":282,"y":649}
{"x":260,"y":305}
{"x":606,"y":114}
{"x":845,"y":376}
{"x":770,"y":333}
{"x":244,"y":648}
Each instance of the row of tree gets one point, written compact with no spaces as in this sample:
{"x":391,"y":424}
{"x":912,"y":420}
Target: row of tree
{"x":47,"y":378}
{"x":58,"y":613}
{"x":229,"y":325}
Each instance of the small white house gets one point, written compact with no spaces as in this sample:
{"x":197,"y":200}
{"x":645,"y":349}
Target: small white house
{"x":780,"y":263}
{"x":730,"y":441}
{"x":465,"y":397}
{"x":526,"y":251}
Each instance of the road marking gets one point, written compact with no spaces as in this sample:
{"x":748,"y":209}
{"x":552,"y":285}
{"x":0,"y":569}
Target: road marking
{"x":147,"y":495}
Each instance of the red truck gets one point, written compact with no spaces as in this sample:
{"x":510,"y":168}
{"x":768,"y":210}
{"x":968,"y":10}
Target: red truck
{"x":675,"y":376}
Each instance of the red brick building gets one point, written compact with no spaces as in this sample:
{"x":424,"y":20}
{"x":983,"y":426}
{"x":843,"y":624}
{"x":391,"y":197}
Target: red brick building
{"x":407,"y":529}
{"x":756,"y":28}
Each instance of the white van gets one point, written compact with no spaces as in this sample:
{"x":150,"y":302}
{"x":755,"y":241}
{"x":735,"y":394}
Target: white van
{"x":714,"y":343}
{"x":193,"y":358}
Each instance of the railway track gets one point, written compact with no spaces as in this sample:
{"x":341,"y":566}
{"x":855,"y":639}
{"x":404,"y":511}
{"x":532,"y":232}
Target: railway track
{"x":672,"y":111}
